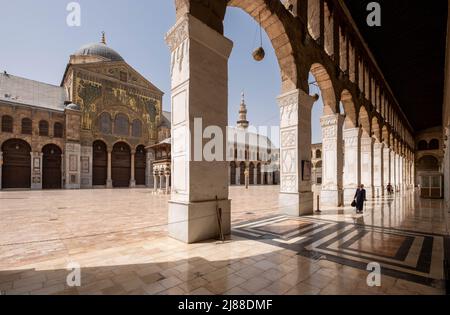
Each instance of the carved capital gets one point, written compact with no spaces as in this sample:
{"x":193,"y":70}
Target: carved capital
{"x":178,"y":34}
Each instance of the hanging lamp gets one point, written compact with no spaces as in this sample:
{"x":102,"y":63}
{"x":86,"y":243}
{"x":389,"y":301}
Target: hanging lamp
{"x":259,"y":53}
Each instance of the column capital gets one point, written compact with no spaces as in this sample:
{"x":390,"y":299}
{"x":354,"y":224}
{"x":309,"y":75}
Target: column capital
{"x":352,"y":132}
{"x":378,"y":145}
{"x":189,"y":27}
{"x":331,"y":120}
{"x":294,"y":105}
{"x":367,"y":141}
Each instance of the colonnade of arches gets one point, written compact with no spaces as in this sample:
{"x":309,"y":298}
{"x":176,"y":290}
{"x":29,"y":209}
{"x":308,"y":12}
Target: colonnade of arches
{"x":119,"y":166}
{"x":372,"y":129}
{"x":21,"y":168}
{"x":252,"y":173}
{"x":19,"y":165}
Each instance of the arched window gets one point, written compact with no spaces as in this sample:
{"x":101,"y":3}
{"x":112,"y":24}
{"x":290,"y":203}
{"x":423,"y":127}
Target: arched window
{"x":428,"y":163}
{"x":423,"y":145}
{"x":105,"y":124}
{"x":43,"y":128}
{"x":7,"y":123}
{"x":58,"y":130}
{"x":121,"y":125}
{"x":27,"y":126}
{"x":433,"y":145}
{"x":136,"y":130}
{"x":318,"y":154}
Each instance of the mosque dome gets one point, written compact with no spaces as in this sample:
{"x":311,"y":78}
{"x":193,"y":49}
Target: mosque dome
{"x":100,"y":50}
{"x":73,"y":106}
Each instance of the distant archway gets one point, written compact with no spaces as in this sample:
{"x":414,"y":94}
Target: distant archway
{"x":252,"y":174}
{"x":16,"y":168}
{"x":233,"y":173}
{"x":51,"y":167}
{"x":99,"y":163}
{"x":140,"y":165}
{"x":242,"y":173}
{"x":121,"y":165}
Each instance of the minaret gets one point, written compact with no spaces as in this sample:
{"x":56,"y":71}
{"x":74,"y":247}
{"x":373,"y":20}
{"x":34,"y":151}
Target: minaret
{"x":243,"y":122}
{"x":103,"y":38}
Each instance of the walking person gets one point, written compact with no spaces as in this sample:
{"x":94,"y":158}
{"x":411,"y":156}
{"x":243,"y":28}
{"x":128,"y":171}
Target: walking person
{"x":360,"y":198}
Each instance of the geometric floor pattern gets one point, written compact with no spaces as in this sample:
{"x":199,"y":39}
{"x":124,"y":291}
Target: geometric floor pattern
{"x":119,"y":239}
{"x":408,"y":255}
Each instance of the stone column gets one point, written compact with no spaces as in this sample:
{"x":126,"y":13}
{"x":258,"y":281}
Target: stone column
{"x":155,"y":182}
{"x":109,"y":172}
{"x":367,"y":143}
{"x":295,"y":152}
{"x":332,"y":188}
{"x":1,"y":167}
{"x":149,"y":169}
{"x":393,"y":170}
{"x":133,"y":179}
{"x":247,"y":176}
{"x":397,"y":172}
{"x":238,"y":176}
{"x":161,"y":181}
{"x":387,"y":166}
{"x":402,"y":173}
{"x":255,"y":176}
{"x":378,"y":169}
{"x":167,"y":183}
{"x":408,"y":187}
{"x":352,"y":165}
{"x":446,"y":165}
{"x":199,"y":81}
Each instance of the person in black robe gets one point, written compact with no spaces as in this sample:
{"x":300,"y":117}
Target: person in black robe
{"x":360,"y":198}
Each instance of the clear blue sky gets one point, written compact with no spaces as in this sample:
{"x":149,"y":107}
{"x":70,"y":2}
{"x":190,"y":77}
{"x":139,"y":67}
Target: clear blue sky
{"x":37,"y":43}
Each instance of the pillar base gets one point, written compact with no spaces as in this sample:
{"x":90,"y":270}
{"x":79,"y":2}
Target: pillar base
{"x":378,"y":192}
{"x":297,"y":204}
{"x":109,"y":184}
{"x":331,"y":198}
{"x":132,"y":184}
{"x":197,"y":221}
{"x":370,"y":192}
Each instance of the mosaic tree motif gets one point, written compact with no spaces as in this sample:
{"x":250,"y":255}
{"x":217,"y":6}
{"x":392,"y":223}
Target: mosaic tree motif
{"x":88,"y":92}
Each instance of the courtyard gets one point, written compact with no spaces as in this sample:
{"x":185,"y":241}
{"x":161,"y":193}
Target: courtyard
{"x":119,"y":239}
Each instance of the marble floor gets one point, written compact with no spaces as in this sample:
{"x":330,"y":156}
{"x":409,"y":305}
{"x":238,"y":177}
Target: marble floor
{"x":119,"y":239}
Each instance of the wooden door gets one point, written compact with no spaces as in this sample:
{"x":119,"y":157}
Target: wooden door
{"x":16,"y":169}
{"x":51,"y":167}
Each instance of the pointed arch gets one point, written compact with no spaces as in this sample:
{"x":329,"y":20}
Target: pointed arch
{"x":376,"y":129}
{"x":364,"y":120}
{"x":349,"y":109}
{"x":325,"y":84}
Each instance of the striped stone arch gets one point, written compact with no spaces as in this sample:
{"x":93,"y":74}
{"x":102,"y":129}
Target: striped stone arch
{"x":325,"y":84}
{"x":351,"y":119}
{"x":274,"y":19}
{"x":364,"y":120}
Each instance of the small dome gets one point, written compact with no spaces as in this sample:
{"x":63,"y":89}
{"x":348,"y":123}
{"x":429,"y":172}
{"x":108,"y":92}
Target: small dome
{"x":101,"y":50}
{"x":73,"y":106}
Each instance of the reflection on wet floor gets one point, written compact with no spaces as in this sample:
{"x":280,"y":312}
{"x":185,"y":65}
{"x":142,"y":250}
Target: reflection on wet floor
{"x":119,"y":238}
